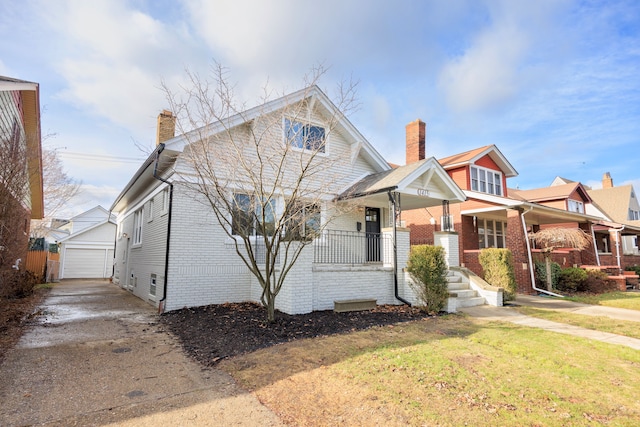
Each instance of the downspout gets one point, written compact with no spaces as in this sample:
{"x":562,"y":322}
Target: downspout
{"x":595,"y":245}
{"x":162,"y":303}
{"x":531,"y":272}
{"x":618,"y":236}
{"x":395,"y":252}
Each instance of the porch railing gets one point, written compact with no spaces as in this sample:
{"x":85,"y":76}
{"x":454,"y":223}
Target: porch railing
{"x":350,"y":247}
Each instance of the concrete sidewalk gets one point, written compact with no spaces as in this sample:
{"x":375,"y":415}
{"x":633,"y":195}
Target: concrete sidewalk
{"x":509,"y":314}
{"x":98,"y":356}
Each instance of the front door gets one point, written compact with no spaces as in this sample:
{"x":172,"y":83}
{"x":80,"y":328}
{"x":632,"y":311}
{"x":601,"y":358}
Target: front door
{"x":372,"y":228}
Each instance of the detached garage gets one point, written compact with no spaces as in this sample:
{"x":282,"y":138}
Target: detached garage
{"x":88,"y":253}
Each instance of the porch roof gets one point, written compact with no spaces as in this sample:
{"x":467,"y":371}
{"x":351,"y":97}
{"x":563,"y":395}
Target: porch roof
{"x":421,"y":184}
{"x":535,"y":213}
{"x":626,"y":230}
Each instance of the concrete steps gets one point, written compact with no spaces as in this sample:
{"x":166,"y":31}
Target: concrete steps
{"x":460,"y":292}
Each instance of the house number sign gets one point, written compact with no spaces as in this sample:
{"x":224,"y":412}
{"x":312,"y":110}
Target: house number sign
{"x":423,"y":192}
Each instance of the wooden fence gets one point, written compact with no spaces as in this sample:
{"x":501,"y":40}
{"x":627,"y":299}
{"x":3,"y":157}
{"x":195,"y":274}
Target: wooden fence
{"x":43,"y":262}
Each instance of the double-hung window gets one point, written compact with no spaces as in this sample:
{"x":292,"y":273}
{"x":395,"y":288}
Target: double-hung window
{"x":137,"y":226}
{"x":303,"y":221}
{"x":304,"y":136}
{"x":634,"y":215}
{"x":491,"y":234}
{"x":250,"y":217}
{"x":486,"y":181}
{"x":575,"y":206}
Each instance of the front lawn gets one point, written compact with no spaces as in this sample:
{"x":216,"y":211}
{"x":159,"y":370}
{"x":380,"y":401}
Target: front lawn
{"x":630,"y":300}
{"x":449,"y":370}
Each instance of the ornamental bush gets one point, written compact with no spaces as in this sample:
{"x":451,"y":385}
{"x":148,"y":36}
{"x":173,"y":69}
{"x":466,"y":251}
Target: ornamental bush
{"x":598,"y":282}
{"x":541,"y":274}
{"x":497,"y":265}
{"x":572,"y":279}
{"x":428,"y":269}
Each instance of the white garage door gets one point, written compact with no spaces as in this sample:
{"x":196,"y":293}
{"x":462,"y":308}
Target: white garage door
{"x":85,"y":263}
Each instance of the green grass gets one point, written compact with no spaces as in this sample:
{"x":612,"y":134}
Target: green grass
{"x":448,"y":371}
{"x":596,"y":323}
{"x":630,"y":300}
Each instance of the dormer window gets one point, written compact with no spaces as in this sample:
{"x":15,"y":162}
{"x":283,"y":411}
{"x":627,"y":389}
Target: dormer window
{"x":486,"y":181}
{"x":304,"y":137}
{"x":575,"y":206}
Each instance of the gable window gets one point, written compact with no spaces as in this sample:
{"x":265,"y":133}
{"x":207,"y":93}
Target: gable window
{"x":137,"y":227}
{"x":491,"y":234}
{"x":246,"y":216}
{"x":305,"y":137}
{"x":634,"y":215}
{"x":486,"y":181}
{"x":303,"y":222}
{"x":575,"y":206}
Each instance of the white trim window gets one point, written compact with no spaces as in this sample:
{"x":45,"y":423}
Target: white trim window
{"x":575,"y":206}
{"x":137,"y":227}
{"x":246,"y":216}
{"x":304,"y":137}
{"x":153,"y":285}
{"x":491,"y":234}
{"x":486,"y":180}
{"x":165,"y":201}
{"x":634,"y":215}
{"x":304,"y":221}
{"x":150,"y":211}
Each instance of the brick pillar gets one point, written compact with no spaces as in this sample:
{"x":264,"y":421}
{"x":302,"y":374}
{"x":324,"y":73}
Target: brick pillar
{"x":415,"y":141}
{"x":517,"y":244}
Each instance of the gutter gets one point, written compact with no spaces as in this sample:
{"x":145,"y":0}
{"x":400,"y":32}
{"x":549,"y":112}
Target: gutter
{"x":618,"y":236}
{"x":531,"y":272}
{"x":162,"y":303}
{"x":395,"y":252}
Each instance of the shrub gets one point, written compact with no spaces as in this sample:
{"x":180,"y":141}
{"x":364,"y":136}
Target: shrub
{"x":497,"y":265}
{"x":17,"y":283}
{"x":541,"y":274}
{"x":428,"y":269}
{"x":598,"y":282}
{"x":572,"y":280}
{"x":635,"y":268}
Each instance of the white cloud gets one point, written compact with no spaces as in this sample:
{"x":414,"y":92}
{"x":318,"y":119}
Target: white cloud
{"x":88,"y":197}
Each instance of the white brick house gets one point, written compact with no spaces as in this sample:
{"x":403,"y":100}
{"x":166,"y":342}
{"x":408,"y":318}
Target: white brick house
{"x":172,"y":251}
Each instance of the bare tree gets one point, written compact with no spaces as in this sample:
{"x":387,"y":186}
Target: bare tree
{"x":58,"y":189}
{"x":14,"y":194}
{"x":272,"y":198}
{"x":553,"y":238}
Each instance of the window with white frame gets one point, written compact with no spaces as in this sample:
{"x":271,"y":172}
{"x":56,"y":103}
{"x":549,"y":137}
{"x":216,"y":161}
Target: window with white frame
{"x":152,"y":285}
{"x":305,"y":137}
{"x":303,"y":221}
{"x":575,"y":206}
{"x":491,"y":234}
{"x":486,"y":180}
{"x":150,"y":211}
{"x":249,"y":217}
{"x":137,"y":227}
{"x":634,"y":215}
{"x":165,"y":201}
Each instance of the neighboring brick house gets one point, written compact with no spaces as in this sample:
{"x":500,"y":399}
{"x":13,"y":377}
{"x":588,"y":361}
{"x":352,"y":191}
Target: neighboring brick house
{"x":491,"y":216}
{"x":172,"y":251}
{"x":21,"y":197}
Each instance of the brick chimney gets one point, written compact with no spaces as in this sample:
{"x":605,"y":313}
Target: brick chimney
{"x":166,"y":127}
{"x":416,"y":138}
{"x":607,"y":181}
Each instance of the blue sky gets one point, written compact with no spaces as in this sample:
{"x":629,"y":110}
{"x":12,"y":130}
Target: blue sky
{"x":554,"y":84}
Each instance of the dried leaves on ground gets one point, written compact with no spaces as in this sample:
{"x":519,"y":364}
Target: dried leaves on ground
{"x":14,"y":317}
{"x":215,"y":332}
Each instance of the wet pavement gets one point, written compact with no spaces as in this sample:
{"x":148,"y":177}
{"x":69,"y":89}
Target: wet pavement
{"x":97,"y":355}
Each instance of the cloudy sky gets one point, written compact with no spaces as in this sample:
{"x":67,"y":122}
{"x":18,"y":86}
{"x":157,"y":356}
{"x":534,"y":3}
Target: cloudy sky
{"x":554,"y":84}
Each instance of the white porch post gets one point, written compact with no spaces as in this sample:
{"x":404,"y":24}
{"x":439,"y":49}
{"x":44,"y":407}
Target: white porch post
{"x":449,"y":241}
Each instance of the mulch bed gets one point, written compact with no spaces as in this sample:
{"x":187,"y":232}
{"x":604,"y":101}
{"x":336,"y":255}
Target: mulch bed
{"x":215,"y":332}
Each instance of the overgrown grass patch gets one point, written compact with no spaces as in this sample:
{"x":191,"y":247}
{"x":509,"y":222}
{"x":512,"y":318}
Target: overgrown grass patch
{"x":629,"y":300}
{"x":597,"y":323}
{"x":450,"y":370}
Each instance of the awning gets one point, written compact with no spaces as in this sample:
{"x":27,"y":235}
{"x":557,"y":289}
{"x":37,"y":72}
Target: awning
{"x":419,"y":185}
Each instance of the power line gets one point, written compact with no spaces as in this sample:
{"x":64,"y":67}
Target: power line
{"x":101,"y":157}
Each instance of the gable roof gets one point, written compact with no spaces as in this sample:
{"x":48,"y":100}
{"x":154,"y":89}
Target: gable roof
{"x":615,"y":202}
{"x":312,"y":92}
{"x":472,"y":156}
{"x":426,"y":174}
{"x":555,"y":192}
{"x":558,"y":180}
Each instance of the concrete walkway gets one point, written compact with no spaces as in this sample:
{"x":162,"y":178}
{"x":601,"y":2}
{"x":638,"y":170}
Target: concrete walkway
{"x":98,"y":356}
{"x":509,"y":314}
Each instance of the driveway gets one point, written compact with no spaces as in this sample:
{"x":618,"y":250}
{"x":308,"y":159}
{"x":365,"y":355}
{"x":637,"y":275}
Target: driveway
{"x":97,"y":356}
